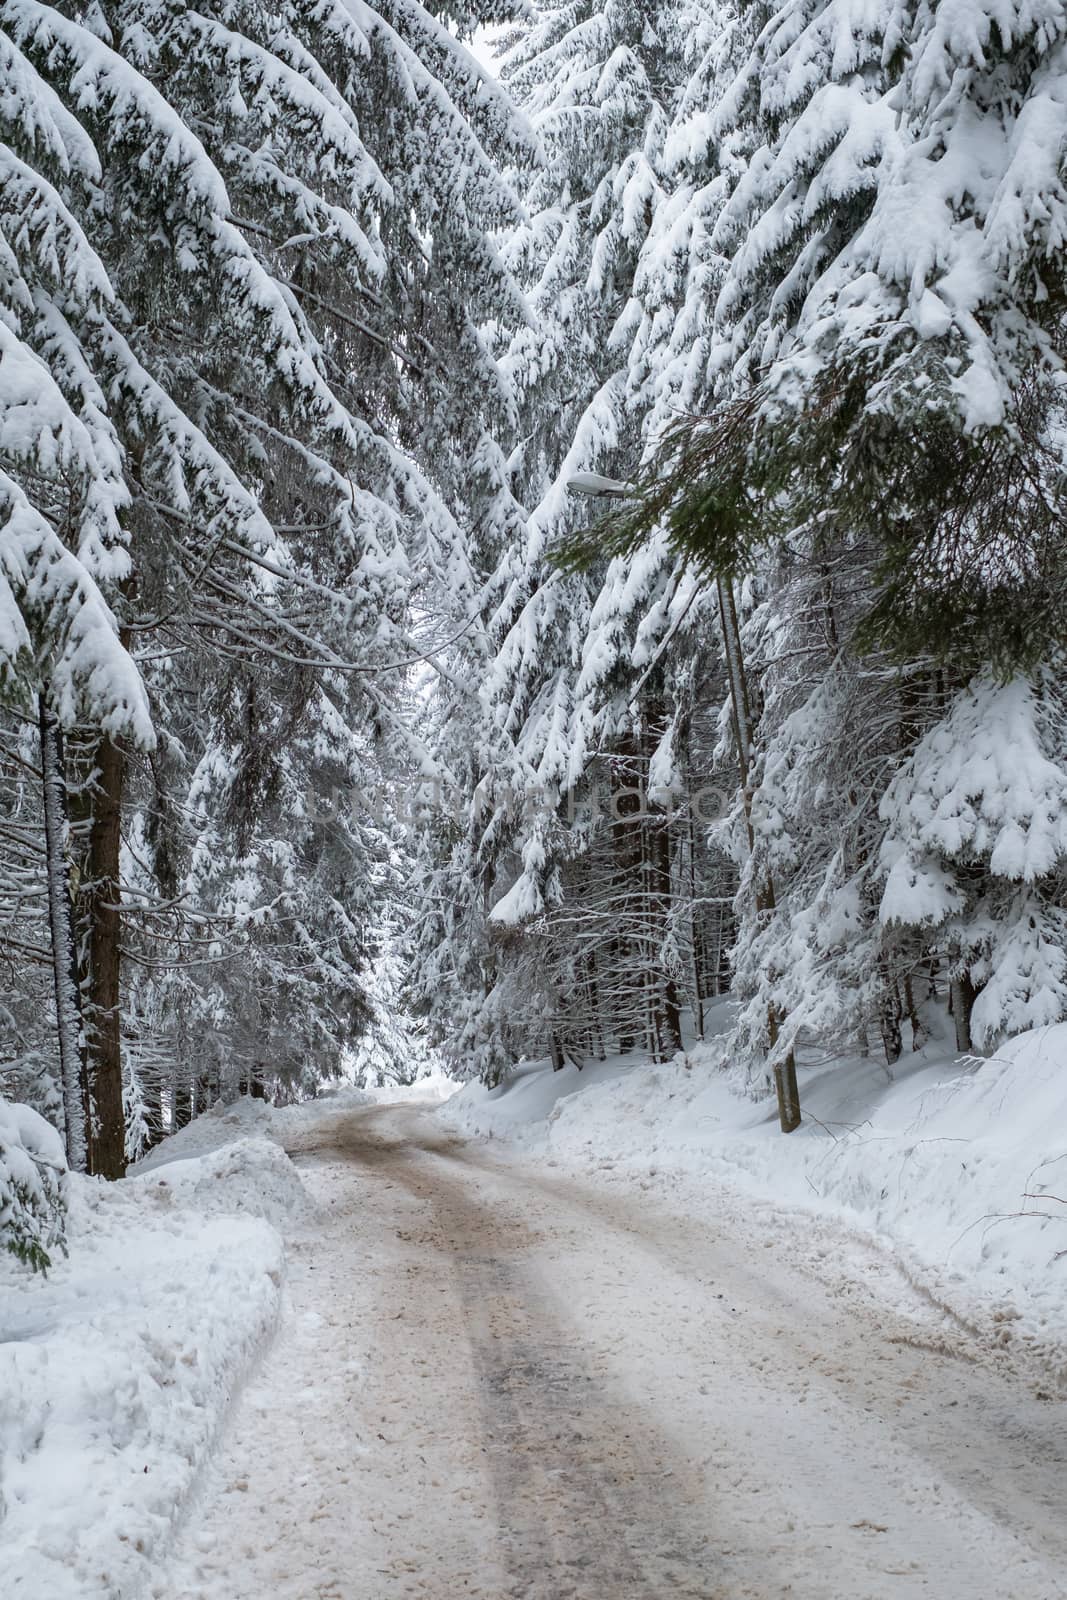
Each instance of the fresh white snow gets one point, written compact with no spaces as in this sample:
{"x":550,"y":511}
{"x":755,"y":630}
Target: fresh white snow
{"x":117,"y":1369}
{"x":956,"y":1169}
{"x":515,"y":1322}
{"x":498,"y":1379}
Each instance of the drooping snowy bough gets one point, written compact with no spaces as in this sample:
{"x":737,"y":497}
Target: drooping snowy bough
{"x":32,"y":1196}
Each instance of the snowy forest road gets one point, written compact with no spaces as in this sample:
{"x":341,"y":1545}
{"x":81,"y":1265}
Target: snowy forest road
{"x":496,"y":1380}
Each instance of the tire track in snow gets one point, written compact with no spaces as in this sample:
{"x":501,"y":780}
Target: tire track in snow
{"x":590,"y":1500}
{"x":496,"y":1383}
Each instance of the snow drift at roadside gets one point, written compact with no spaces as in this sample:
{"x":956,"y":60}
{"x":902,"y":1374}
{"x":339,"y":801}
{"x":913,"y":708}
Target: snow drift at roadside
{"x":959,"y":1167}
{"x":118,"y":1368}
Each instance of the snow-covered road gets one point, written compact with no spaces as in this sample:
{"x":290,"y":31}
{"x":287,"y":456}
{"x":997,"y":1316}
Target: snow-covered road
{"x":497,"y":1380}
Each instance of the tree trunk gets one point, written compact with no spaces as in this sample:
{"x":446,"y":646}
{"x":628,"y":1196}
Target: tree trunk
{"x":964,"y":995}
{"x":785,"y":1075}
{"x":597,"y":1022}
{"x":69,"y":1028}
{"x":184,"y":1099}
{"x":785,"y":1082}
{"x":104,"y":961}
{"x":627,"y":846}
{"x":917,"y":1032}
{"x":698,"y":942}
{"x":890,"y":1015}
{"x":669,"y":1004}
{"x":739,"y":702}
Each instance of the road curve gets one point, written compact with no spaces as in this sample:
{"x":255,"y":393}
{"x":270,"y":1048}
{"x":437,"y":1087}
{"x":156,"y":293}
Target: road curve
{"x":500,"y":1382}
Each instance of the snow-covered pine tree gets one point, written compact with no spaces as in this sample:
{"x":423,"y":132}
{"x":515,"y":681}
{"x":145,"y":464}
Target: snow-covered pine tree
{"x":270,"y":306}
{"x":29,"y":1065}
{"x":975,"y":851}
{"x":593,"y":80}
{"x":885,"y":340}
{"x":32,"y":1185}
{"x":63,"y":549}
{"x":831,"y":730}
{"x":681,"y":266}
{"x":436,"y":298}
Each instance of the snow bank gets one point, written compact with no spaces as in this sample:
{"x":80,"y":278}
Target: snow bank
{"x":117,"y":1369}
{"x":954,"y":1165}
{"x":253,"y":1177}
{"x":257,"y":1119}
{"x":249,"y":1118}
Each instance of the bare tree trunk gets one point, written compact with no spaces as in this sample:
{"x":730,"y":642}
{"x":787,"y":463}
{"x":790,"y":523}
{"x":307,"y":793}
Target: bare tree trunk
{"x":596,"y":1029}
{"x":627,"y":846}
{"x":697,"y":939}
{"x":104,"y":961}
{"x":917,"y":1031}
{"x":69,"y":1029}
{"x":206,"y":1092}
{"x":963,"y":995}
{"x":785,"y":1074}
{"x":890,"y":1015}
{"x":660,"y":904}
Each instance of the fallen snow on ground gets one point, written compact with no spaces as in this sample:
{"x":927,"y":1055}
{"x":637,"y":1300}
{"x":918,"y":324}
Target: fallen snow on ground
{"x":249,"y":1118}
{"x":117,"y":1369}
{"x":954,"y":1166}
{"x":497,"y":1379}
{"x":432,"y":1088}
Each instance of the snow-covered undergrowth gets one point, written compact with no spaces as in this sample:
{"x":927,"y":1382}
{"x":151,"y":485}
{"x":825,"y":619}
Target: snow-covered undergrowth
{"x":248,"y":1118}
{"x":954,"y":1165}
{"x":117,"y":1369}
{"x":32,"y":1184}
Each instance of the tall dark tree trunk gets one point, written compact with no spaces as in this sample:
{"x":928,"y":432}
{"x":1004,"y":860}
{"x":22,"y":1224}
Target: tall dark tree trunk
{"x":628,"y":855}
{"x":890,"y":1015}
{"x":892,"y":1037}
{"x":103,"y":976}
{"x":917,"y":1031}
{"x":963,"y":995}
{"x":669,"y":1005}
{"x":69,"y":1028}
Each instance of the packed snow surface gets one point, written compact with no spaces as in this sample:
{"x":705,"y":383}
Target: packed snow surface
{"x":117,"y":1369}
{"x":615,"y":1351}
{"x":957,"y":1167}
{"x":498,"y":1378}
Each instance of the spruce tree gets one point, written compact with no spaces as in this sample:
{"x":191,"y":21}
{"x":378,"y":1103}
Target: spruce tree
{"x":246,"y":392}
{"x":974,"y":854}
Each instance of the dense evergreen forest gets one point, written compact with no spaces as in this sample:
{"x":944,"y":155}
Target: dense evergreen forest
{"x":341,"y":723}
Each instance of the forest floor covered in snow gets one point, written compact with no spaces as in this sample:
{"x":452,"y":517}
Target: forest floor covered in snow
{"x":636,"y":1343}
{"x":948,"y":1171}
{"x":500,"y":1380}
{"x":117,"y":1369}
